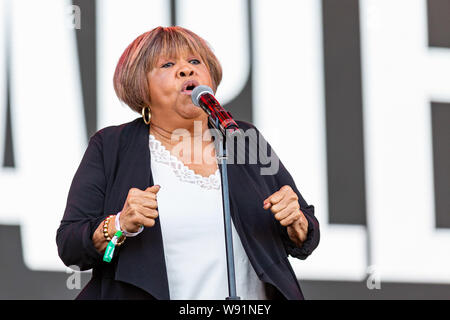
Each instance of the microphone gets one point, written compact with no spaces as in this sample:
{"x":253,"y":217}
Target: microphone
{"x":203,"y":97}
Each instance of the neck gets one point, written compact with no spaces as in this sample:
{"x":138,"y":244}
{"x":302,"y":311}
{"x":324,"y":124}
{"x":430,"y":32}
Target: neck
{"x":171,"y":135}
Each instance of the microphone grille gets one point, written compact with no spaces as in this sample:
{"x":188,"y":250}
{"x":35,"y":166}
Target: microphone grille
{"x":198,"y":91}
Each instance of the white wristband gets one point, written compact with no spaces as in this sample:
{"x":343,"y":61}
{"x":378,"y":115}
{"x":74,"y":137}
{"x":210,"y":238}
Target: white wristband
{"x":126,"y":234}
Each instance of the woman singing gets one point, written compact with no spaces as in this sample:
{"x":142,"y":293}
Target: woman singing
{"x":157,"y":180}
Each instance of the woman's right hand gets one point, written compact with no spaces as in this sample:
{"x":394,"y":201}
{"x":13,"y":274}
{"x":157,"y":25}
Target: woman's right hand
{"x":139,"y":209}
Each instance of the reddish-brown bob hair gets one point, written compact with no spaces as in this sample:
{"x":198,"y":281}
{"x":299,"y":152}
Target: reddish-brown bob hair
{"x":140,"y":57}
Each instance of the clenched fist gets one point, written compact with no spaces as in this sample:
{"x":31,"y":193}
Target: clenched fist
{"x":139,"y":209}
{"x":286,"y":209}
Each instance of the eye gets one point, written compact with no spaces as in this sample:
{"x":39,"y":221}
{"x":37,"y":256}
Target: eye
{"x":195,"y":61}
{"x":167,"y":65}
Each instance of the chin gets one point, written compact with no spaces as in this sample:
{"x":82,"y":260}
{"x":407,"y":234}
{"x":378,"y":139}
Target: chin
{"x":192,"y":112}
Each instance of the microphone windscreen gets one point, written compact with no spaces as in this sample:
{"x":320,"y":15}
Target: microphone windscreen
{"x":198,"y":91}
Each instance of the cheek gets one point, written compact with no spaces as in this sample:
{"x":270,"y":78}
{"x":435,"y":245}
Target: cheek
{"x":209,"y":79}
{"x":159,"y":88}
{"x":206,"y":76}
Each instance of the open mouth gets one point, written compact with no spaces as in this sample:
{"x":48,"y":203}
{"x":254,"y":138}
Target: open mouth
{"x":188,"y":86}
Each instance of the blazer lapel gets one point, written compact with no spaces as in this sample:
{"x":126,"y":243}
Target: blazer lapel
{"x":141,"y":260}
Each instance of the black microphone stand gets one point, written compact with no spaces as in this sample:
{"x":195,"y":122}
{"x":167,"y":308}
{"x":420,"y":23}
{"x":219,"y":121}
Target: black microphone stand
{"x":221,"y":154}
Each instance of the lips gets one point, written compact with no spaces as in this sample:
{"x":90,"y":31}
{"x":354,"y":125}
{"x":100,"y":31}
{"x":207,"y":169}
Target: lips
{"x":188,"y":86}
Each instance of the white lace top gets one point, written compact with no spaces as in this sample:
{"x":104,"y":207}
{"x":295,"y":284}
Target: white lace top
{"x":191,"y":217}
{"x":182,"y":172}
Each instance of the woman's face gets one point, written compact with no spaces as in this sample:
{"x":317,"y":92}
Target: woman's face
{"x":171,"y":82}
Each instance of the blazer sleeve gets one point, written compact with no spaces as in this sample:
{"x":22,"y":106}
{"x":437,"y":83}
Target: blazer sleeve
{"x":313,"y":236}
{"x":84,"y":210}
{"x":283,"y":177}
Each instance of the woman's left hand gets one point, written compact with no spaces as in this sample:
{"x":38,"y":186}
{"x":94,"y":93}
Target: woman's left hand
{"x":286,"y":209}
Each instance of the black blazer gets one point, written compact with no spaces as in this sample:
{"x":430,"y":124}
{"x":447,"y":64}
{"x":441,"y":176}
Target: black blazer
{"x":117,"y":159}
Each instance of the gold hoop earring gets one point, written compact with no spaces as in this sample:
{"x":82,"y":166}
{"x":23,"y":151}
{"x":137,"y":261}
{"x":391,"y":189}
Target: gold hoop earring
{"x":149,"y":115}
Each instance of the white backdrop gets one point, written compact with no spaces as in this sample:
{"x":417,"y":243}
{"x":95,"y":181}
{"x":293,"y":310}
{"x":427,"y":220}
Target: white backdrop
{"x":401,"y":75}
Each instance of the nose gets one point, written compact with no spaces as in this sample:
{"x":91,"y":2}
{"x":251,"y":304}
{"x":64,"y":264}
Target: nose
{"x":185,"y":70}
